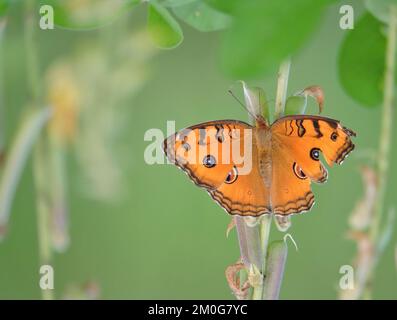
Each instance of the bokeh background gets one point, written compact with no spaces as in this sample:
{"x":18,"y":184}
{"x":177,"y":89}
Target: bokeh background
{"x":140,"y":231}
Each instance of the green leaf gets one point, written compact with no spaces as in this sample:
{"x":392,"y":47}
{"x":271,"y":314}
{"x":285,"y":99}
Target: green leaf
{"x":255,"y":100}
{"x":4,"y":4}
{"x":296,"y":105}
{"x":380,"y":8}
{"x":362,"y":61}
{"x":201,"y":16}
{"x":163,"y":28}
{"x":222,"y":5}
{"x":89,"y":14}
{"x":267,"y":32}
{"x":276,"y":259}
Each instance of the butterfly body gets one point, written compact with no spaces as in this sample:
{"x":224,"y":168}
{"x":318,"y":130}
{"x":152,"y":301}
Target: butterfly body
{"x":273,"y":173}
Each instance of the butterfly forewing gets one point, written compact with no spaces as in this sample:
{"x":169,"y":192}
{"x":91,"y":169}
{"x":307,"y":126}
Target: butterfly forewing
{"x":298,"y":142}
{"x":221,"y":157}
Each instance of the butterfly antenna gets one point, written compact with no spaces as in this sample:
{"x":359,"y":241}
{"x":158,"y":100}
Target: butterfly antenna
{"x":242,"y":104}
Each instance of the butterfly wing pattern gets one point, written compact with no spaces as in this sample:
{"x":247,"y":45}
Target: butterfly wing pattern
{"x":205,"y":153}
{"x":298,"y":142}
{"x":279,"y":177}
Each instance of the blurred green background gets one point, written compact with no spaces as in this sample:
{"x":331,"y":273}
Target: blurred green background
{"x":144,"y":231}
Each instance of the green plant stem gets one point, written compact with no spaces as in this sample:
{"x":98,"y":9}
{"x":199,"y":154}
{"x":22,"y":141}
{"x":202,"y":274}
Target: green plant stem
{"x":264,"y":229}
{"x":31,"y":52}
{"x":2,"y":111}
{"x":386,"y":121}
{"x":281,"y":98}
{"x":39,"y":161}
{"x":257,"y":291}
{"x":251,"y":253}
{"x":276,"y":260}
{"x":265,"y":224}
{"x":385,"y":139}
{"x":26,"y":136}
{"x":58,"y":200}
{"x":40,"y":166}
{"x":249,"y":242}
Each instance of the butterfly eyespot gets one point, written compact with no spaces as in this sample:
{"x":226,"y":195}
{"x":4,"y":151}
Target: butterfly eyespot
{"x":298,"y":171}
{"x":186,"y":146}
{"x":315,"y":154}
{"x":209,"y":161}
{"x":334,"y":136}
{"x":232,"y":176}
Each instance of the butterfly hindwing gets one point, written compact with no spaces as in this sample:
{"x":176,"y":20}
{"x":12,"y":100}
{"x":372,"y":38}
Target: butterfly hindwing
{"x":290,"y":188}
{"x":246,"y":195}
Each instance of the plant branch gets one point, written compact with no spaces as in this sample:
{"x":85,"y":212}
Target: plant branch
{"x":385,"y":139}
{"x":39,"y":156}
{"x":40,"y":166}
{"x":271,"y":291}
{"x":265,"y":224}
{"x":264,"y":229}
{"x":3,"y":22}
{"x":386,"y":121}
{"x":253,"y":234}
{"x":31,"y":52}
{"x":276,"y":260}
{"x":249,"y":242}
{"x":27,"y":135}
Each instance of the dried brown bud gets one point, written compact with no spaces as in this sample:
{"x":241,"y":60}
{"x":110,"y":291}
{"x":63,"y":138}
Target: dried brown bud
{"x":317,"y":93}
{"x":233,"y":279}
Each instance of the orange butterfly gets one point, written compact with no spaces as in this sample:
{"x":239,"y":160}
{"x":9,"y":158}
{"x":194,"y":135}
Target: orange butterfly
{"x":283,"y":159}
